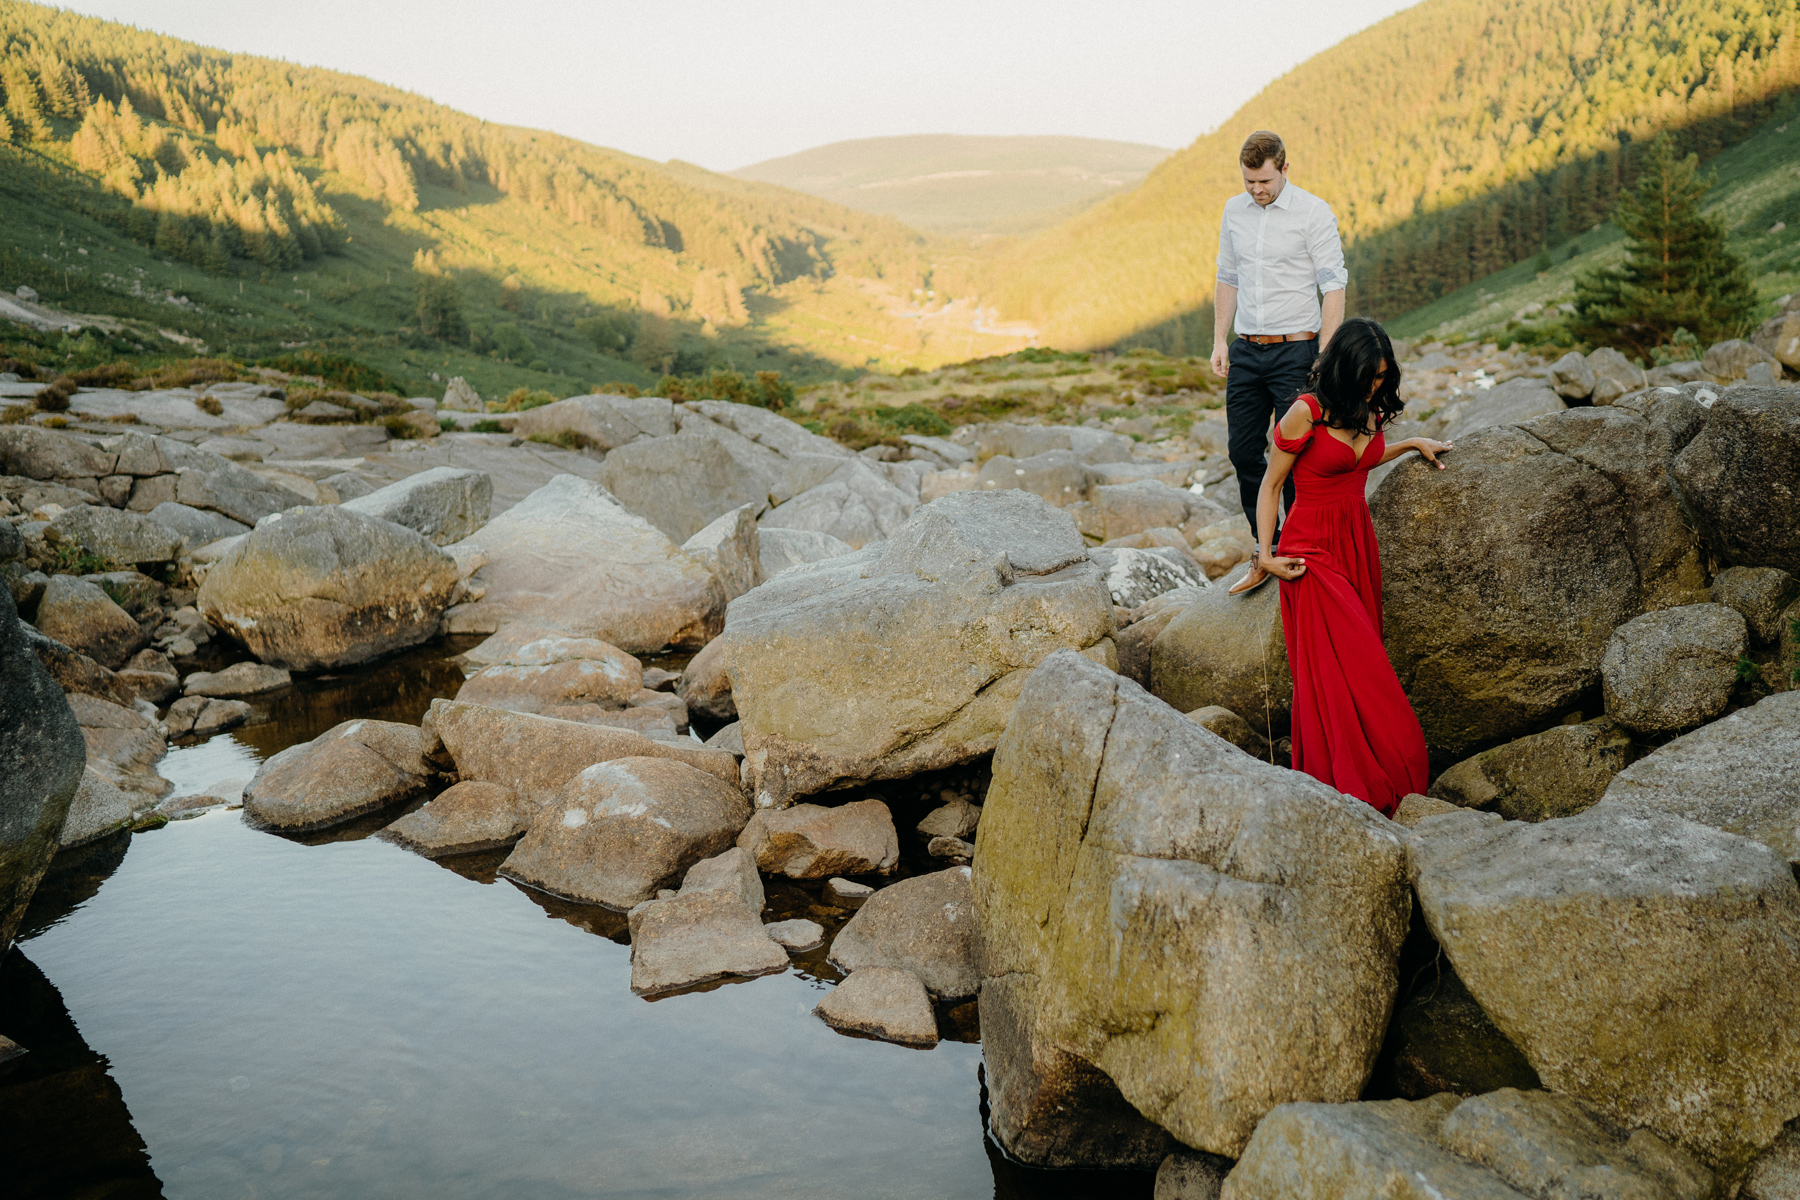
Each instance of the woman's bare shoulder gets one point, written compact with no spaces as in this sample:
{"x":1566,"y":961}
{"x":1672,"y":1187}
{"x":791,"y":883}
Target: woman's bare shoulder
{"x":1296,"y":421}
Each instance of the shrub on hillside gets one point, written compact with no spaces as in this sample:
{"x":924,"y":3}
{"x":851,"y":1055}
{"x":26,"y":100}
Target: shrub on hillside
{"x":520,"y":399}
{"x":55,"y":397}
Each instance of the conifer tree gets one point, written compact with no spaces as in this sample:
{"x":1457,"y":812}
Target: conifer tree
{"x":1678,"y":273}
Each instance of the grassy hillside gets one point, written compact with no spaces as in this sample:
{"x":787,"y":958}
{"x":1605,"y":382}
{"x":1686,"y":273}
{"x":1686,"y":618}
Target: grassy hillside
{"x":1757,"y":196}
{"x":1453,"y":139}
{"x":966,"y":186}
{"x":296,"y":208}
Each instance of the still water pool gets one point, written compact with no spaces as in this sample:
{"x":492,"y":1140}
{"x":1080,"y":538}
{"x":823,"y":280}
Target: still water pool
{"x":250,"y":1016}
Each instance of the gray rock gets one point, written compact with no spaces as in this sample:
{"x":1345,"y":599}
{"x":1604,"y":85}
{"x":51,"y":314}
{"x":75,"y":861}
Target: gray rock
{"x":99,"y":809}
{"x":1734,"y":359}
{"x":350,"y":769}
{"x":1216,"y":718}
{"x":322,"y":441}
{"x":348,"y":485}
{"x":1673,"y":669}
{"x":924,"y":925}
{"x":1188,"y":1175}
{"x":1228,"y":652}
{"x":884,"y":664}
{"x":1572,"y":376}
{"x":552,"y":671}
{"x":1566,"y":528}
{"x":596,"y":421}
{"x":778,"y":549}
{"x":730,"y":549}
{"x":464,"y":818}
{"x":1740,"y":774}
{"x":1414,"y":808}
{"x":446,"y":504}
{"x":226,"y":792}
{"x":459,"y":396}
{"x":1510,"y":403}
{"x":82,"y":617}
{"x":810,"y":842}
{"x":764,"y":428}
{"x":123,"y":744}
{"x":231,"y":489}
{"x":1645,"y":964}
{"x":1608,"y":364}
{"x":203,"y":716}
{"x":325,"y":587}
{"x":705,"y":686}
{"x":25,"y":587}
{"x":1055,"y":475}
{"x":1134,"y":577}
{"x":570,"y":557}
{"x":118,"y":537}
{"x":730,"y":738}
{"x":846,"y":893}
{"x":239,"y":679}
{"x":954,"y":849}
{"x":1122,"y":509}
{"x":1557,"y":773}
{"x":624,"y":829}
{"x":943,"y":448}
{"x":882,"y":1003}
{"x":682,"y":483}
{"x":696,"y":938}
{"x":1214,"y":934}
{"x":857,"y":504}
{"x":45,"y":454}
{"x":1503,"y":1146}
{"x":957,"y":819}
{"x":195,"y":527}
{"x":1761,"y":595}
{"x":732,"y":871}
{"x":1735,"y":478}
{"x":798,"y":936}
{"x":41,"y":757}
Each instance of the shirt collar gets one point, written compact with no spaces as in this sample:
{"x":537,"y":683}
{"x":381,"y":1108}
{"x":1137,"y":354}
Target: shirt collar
{"x":1285,"y":200}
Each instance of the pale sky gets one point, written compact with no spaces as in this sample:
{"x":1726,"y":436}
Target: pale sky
{"x":725,"y":83}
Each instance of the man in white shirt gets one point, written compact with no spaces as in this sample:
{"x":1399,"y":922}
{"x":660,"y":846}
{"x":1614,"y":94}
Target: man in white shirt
{"x":1278,"y":254}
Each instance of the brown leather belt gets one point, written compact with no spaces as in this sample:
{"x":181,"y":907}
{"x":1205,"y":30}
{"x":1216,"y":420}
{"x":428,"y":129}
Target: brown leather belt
{"x":1266,"y":339}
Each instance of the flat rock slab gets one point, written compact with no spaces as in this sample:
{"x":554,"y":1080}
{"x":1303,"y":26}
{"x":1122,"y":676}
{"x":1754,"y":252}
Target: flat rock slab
{"x":808,"y":841}
{"x":924,"y":926}
{"x":692,"y":939}
{"x":622,"y":830}
{"x":1507,"y":1145}
{"x":446,"y":504}
{"x":554,"y":671}
{"x":464,"y":818}
{"x":1740,"y":774}
{"x":884,"y":1003}
{"x":239,"y":679}
{"x":1643,"y":963}
{"x":352,"y":768}
{"x":847,"y":893}
{"x":203,"y":716}
{"x":98,"y":809}
{"x":797,"y":936}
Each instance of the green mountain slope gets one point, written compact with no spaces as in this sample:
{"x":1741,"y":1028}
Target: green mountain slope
{"x":295,"y":205}
{"x":1452,"y":139}
{"x":1757,"y":196}
{"x":955,"y":184}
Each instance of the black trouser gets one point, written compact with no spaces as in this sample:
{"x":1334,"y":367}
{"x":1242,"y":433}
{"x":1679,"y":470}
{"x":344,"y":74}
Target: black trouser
{"x":1263,"y":381}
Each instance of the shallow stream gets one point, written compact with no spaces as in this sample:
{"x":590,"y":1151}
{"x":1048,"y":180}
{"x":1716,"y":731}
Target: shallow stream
{"x":214,"y":1011}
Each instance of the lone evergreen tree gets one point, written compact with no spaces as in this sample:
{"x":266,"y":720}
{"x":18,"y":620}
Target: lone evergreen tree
{"x":440,"y":309}
{"x":1677,"y":273}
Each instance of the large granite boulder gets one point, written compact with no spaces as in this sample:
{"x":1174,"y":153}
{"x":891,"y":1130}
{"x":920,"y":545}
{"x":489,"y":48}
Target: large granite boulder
{"x":42,"y":756}
{"x":118,"y":537}
{"x":682,"y":483}
{"x":1564,"y":528}
{"x":446,"y":504}
{"x":571,"y":557}
{"x":352,"y":768}
{"x":193,"y":526}
{"x":83,"y":617}
{"x":553,"y":671}
{"x":730,"y":548}
{"x":1216,"y":935}
{"x":1740,"y":774}
{"x":1645,"y":964}
{"x":778,"y":549}
{"x":323,"y":587}
{"x":1557,"y":773}
{"x":1737,"y":478}
{"x":1229,"y":651}
{"x":623,"y":829}
{"x":856,"y":503}
{"x":604,"y":422}
{"x":890,"y":662}
{"x":924,"y":925}
{"x":537,"y":756}
{"x":1672,"y":669}
{"x":1118,"y":510}
{"x":1506,"y":1145}
{"x":1511,"y":403}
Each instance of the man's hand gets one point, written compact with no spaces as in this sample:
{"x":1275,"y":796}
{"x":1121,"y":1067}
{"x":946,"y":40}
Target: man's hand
{"x":1221,"y":361}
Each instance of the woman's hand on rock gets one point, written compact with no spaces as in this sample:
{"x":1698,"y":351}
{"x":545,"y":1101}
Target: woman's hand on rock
{"x":1429,"y":450}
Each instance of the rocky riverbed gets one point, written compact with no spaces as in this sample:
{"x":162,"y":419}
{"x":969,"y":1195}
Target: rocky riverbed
{"x":964,"y":738}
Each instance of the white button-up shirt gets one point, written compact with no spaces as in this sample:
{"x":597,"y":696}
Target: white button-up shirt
{"x":1280,"y":258}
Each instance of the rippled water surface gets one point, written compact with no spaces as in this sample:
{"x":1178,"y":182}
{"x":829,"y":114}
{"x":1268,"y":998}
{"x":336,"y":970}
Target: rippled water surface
{"x":250,"y":1016}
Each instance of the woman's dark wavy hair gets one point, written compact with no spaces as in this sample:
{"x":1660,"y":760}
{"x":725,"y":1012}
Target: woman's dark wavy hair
{"x":1343,"y":374}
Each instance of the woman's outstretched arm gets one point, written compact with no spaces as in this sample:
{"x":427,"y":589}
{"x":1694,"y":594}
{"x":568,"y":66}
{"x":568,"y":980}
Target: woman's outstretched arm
{"x":1427,"y":449}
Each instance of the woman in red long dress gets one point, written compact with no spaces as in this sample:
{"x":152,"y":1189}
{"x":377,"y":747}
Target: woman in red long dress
{"x":1352,"y":725}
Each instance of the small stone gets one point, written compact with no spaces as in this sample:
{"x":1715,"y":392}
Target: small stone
{"x":465,"y":818}
{"x":98,"y":809}
{"x":1760,"y":594}
{"x":956,"y":819}
{"x":350,"y":769}
{"x":882,"y":1003}
{"x":731,"y":871}
{"x":692,"y":939}
{"x":239,"y":679}
{"x":924,"y":925}
{"x":1191,"y":1175}
{"x":808,"y":841}
{"x":1216,"y":718}
{"x":659,"y":680}
{"x":224,"y":794}
{"x":949,"y":847}
{"x":203,"y":716}
{"x":1415,"y":808}
{"x":798,"y":935}
{"x":847,"y":893}
{"x":81,"y":616}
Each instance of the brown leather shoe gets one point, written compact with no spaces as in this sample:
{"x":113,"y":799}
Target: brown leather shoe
{"x":1254,"y":578}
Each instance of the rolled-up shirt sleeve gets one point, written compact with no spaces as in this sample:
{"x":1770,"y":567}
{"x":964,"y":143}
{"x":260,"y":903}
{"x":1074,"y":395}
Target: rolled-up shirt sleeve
{"x":1228,"y":263}
{"x":1327,"y":250}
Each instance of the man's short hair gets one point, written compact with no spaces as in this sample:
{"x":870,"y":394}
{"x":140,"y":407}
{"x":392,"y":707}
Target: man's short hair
{"x":1261,"y":147}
